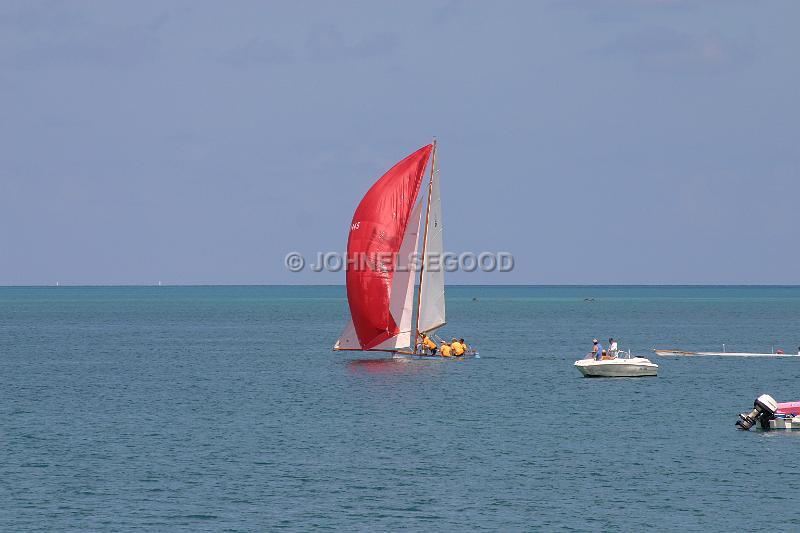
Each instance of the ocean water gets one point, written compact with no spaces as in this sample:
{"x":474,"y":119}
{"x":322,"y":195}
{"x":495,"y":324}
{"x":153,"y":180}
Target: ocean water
{"x":223,"y":409}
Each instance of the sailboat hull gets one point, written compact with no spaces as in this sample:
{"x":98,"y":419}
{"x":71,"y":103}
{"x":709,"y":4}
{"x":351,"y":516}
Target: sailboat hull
{"x":467,"y":355}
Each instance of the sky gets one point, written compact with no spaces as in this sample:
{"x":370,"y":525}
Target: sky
{"x":599,"y":142}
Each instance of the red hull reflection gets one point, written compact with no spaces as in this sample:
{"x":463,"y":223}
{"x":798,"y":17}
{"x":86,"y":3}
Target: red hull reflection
{"x":391,"y":366}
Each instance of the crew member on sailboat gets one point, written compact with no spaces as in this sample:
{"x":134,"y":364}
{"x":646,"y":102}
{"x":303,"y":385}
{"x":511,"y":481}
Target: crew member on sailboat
{"x":428,"y":343}
{"x":458,"y":350}
{"x":446,"y":350}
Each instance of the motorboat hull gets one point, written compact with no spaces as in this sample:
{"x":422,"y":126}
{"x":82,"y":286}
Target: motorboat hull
{"x":788,"y":423}
{"x":617,"y":368}
{"x":681,"y":353}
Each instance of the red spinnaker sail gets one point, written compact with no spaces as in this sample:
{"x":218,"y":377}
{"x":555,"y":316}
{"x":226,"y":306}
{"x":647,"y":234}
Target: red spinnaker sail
{"x":376,"y":234}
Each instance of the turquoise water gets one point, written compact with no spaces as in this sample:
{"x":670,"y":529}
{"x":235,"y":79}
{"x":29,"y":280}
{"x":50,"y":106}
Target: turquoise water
{"x":223,"y":409}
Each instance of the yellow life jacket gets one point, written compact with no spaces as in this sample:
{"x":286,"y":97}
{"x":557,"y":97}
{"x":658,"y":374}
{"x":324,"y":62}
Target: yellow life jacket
{"x":446,"y":351}
{"x":458,"y":348}
{"x":428,"y":342}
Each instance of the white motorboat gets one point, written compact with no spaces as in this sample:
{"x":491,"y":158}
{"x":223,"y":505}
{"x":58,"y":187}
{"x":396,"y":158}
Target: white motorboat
{"x":624,"y":366}
{"x":723,"y":353}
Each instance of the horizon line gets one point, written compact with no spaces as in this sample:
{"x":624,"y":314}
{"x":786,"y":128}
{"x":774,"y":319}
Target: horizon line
{"x":132,"y":285}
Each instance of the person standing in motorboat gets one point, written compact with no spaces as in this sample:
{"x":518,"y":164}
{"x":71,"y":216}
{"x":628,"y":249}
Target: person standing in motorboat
{"x":613,"y":349}
{"x":597,"y":350}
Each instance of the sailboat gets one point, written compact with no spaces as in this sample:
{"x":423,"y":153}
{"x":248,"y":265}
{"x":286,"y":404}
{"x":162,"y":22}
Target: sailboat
{"x":381,"y":250}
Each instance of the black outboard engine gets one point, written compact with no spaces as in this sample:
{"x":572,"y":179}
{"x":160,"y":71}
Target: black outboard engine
{"x":763,"y":408}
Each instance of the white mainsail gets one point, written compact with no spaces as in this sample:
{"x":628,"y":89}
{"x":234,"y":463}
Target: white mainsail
{"x":431,"y":294}
{"x":401,"y":299}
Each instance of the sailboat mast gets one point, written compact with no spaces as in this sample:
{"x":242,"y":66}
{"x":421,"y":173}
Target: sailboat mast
{"x":424,"y":243}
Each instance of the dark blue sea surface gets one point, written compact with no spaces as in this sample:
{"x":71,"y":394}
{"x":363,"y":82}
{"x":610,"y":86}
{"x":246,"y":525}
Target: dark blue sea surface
{"x":223,"y":409}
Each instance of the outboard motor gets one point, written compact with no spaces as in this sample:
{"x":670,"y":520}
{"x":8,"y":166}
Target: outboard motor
{"x":763,"y":408}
